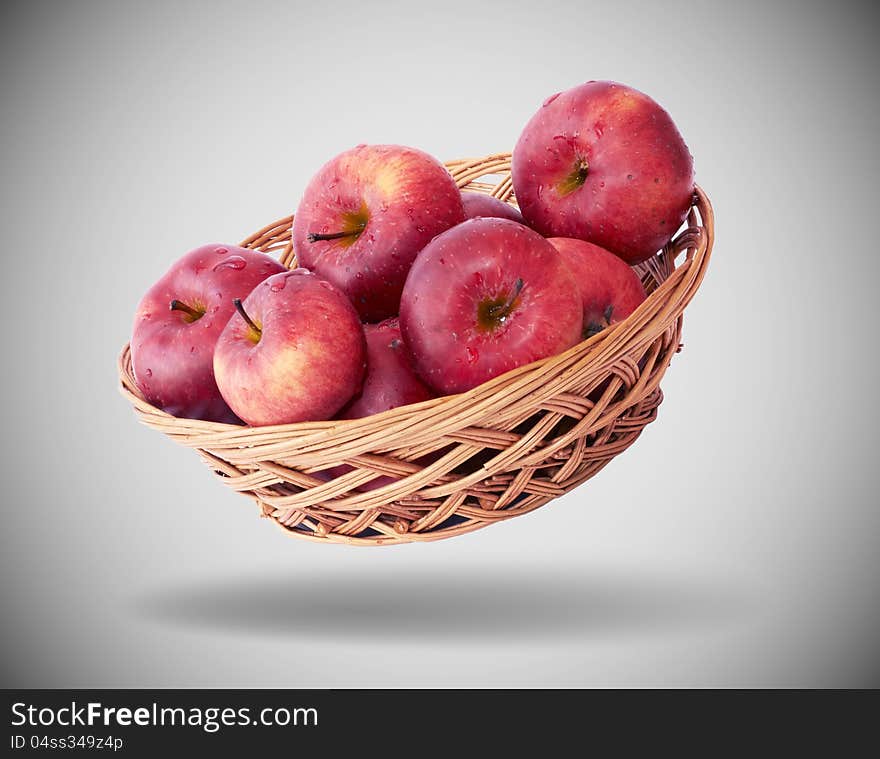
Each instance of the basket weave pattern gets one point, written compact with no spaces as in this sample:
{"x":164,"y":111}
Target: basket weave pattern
{"x":500,"y":450}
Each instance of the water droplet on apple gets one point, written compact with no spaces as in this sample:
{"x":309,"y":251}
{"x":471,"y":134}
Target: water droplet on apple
{"x":472,"y":354}
{"x":148,"y":372}
{"x":629,"y":177}
{"x":221,"y":251}
{"x":550,"y":99}
{"x":278,"y":285}
{"x":236,"y":263}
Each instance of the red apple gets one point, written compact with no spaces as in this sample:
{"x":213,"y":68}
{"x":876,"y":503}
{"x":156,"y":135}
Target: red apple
{"x":483,"y":298}
{"x":294,"y":352}
{"x":610,"y":289}
{"x":603,"y":162}
{"x":178,"y":322}
{"x":476,"y":204}
{"x":364,"y":217}
{"x":391,"y":380}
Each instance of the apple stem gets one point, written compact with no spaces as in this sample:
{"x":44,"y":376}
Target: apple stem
{"x":517,"y":289}
{"x":316,"y":237}
{"x":238,"y":307}
{"x":491,"y":314}
{"x":177,"y":305}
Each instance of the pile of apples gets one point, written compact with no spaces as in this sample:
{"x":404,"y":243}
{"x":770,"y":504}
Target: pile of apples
{"x":409,"y":289}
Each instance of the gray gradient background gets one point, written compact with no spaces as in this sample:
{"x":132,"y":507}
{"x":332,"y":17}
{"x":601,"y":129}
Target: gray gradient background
{"x":734,"y":545}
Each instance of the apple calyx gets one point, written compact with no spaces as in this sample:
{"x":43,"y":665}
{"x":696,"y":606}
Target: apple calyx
{"x":493,"y":313}
{"x":254,"y":332}
{"x":575,"y":179}
{"x":595,"y":327}
{"x":190,"y":313}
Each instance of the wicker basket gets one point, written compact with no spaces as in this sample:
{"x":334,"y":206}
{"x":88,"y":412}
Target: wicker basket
{"x":500,"y":450}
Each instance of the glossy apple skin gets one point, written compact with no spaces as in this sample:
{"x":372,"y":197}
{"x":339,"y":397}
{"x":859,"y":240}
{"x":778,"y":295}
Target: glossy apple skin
{"x":308,"y":360}
{"x":453,"y":279}
{"x":610,"y":290}
{"x":639,"y":180}
{"x":391,"y":380}
{"x":402,"y":196}
{"x":171,"y":356}
{"x":477,"y":205}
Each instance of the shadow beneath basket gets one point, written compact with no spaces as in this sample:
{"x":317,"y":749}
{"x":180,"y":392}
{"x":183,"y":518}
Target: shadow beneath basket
{"x":465,"y":603}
